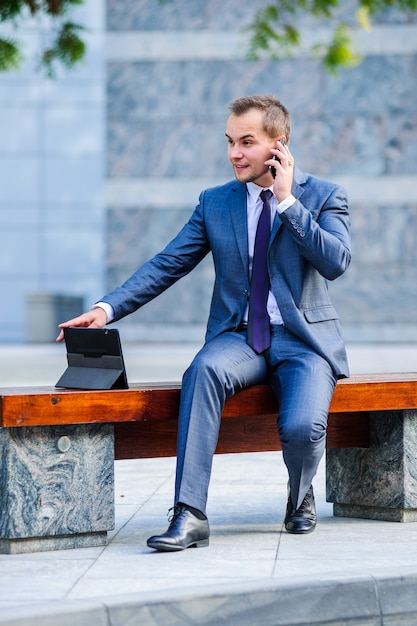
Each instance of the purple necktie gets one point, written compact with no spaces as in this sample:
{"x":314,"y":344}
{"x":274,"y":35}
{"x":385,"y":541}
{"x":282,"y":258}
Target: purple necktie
{"x":259,"y":335}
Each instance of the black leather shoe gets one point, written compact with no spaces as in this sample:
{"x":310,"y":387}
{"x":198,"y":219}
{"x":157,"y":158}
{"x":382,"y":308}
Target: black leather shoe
{"x":303,"y":520}
{"x":184,"y":531}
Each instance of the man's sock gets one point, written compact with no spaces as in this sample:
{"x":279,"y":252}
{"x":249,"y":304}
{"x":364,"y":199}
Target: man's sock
{"x":199,"y":514}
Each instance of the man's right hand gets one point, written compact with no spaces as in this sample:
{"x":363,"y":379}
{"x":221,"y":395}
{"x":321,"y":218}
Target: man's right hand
{"x":96,"y":318}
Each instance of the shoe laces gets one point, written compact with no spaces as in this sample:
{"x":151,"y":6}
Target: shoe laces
{"x":305,"y":503}
{"x":176,"y":512}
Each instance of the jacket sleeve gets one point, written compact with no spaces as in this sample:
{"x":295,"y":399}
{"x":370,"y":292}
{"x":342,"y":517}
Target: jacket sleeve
{"x":322,"y":234}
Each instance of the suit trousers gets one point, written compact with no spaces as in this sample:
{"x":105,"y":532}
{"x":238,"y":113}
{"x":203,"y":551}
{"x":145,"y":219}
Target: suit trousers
{"x":303,"y":383}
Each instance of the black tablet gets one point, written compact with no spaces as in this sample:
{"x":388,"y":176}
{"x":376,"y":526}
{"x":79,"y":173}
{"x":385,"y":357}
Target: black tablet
{"x":95,"y":359}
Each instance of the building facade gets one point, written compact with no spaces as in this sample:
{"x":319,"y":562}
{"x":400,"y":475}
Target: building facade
{"x":52,"y":175}
{"x":90,"y":213}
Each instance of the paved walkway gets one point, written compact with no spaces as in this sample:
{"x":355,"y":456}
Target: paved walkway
{"x":253,"y":573}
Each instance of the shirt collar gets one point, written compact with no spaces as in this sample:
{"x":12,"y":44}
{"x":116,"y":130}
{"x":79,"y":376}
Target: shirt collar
{"x":254,"y":190}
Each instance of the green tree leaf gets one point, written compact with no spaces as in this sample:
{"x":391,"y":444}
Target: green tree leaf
{"x":275,"y":29}
{"x":67,"y":48}
{"x":10,"y":55}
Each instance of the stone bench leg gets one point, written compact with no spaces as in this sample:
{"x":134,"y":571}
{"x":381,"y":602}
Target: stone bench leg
{"x":379,"y":482}
{"x":56,"y":487}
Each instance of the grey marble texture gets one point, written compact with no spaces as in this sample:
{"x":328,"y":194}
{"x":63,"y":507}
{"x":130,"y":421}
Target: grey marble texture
{"x":56,"y":482}
{"x":194,"y":14}
{"x":209,"y":14}
{"x":161,"y":113}
{"x":379,"y":482}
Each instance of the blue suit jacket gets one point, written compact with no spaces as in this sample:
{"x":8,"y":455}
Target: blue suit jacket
{"x":309,"y":245}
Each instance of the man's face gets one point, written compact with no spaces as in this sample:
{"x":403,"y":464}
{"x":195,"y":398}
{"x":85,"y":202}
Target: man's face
{"x":248,"y":148}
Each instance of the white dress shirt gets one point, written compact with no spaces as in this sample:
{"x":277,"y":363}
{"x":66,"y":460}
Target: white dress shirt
{"x":254,"y":208}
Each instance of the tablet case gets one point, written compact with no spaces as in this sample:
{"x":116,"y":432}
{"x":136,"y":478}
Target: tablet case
{"x":95,"y":359}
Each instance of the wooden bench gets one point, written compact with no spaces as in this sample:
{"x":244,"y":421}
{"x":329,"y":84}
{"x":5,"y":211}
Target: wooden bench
{"x":58,"y":449}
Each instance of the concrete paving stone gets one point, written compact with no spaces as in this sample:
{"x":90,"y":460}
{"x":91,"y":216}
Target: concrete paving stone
{"x":126,"y":470}
{"x":142,"y":587}
{"x":30,"y":580}
{"x":221,"y":513}
{"x":247,"y":537}
{"x":390,"y":590}
{"x":130,"y":494}
{"x":254,"y":603}
{"x":113,"y":586}
{"x":55,"y":613}
{"x":76,"y":554}
{"x":149,"y":575}
{"x":125,"y":512}
{"x":339,"y":569}
{"x":270,"y":492}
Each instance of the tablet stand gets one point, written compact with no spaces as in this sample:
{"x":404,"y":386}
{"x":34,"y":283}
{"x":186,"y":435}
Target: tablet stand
{"x":95,"y":360}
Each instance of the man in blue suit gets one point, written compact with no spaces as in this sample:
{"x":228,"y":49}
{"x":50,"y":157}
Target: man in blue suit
{"x":301,"y":351}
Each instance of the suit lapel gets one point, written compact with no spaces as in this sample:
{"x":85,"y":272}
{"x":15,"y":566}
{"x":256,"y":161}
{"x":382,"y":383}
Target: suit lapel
{"x":238,"y":212}
{"x":237,"y":202}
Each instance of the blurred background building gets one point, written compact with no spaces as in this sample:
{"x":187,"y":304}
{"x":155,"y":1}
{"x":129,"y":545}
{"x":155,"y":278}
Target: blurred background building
{"x":101,"y":167}
{"x":52,"y":174}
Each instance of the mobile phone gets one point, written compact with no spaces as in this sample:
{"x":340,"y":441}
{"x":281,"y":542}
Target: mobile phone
{"x":275,"y":158}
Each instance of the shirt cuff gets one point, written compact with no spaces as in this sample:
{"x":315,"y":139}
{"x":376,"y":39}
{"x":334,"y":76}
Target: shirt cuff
{"x":285,"y":204}
{"x":107,"y":308}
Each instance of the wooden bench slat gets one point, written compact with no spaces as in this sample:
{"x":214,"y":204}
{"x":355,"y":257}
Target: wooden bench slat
{"x":141,"y":402}
{"x":379,"y":392}
{"x":54,"y":407}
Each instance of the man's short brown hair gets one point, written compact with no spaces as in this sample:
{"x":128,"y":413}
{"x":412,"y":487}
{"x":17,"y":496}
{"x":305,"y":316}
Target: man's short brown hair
{"x":276,"y":117}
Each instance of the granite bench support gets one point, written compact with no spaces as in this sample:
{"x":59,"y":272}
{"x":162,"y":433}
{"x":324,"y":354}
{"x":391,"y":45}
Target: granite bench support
{"x":57,"y":487}
{"x":57,"y":451}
